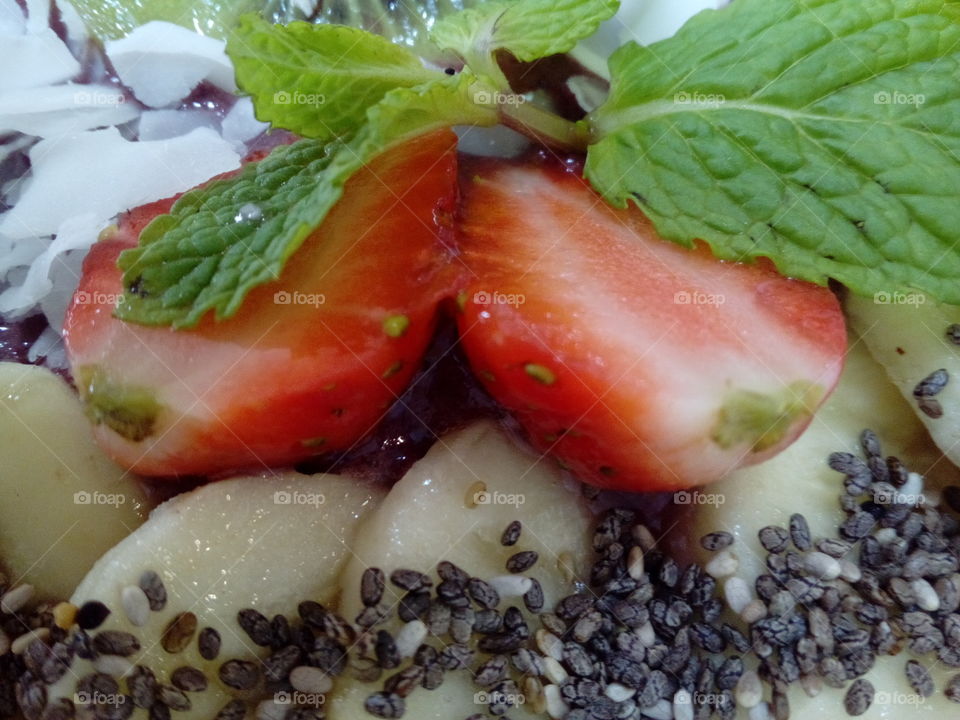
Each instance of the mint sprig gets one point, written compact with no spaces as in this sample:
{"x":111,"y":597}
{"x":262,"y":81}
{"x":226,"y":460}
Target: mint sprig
{"x":318,"y":80}
{"x":823,"y":134}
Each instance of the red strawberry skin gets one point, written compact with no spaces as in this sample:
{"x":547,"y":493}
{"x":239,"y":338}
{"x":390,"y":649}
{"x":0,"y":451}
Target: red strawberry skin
{"x":307,"y":365}
{"x":639,"y":364}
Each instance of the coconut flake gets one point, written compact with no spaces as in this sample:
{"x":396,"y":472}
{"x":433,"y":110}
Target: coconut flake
{"x":33,"y":60}
{"x":12,"y":20}
{"x":166,"y":124}
{"x":240,"y":125}
{"x":75,"y":233}
{"x":63,"y":109}
{"x":162,"y":62}
{"x":101,"y":173}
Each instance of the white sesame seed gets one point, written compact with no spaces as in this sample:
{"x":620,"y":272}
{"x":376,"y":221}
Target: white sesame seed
{"x":811,"y":684}
{"x":682,"y":705}
{"x":20,"y":644}
{"x":556,"y":707}
{"x":619,"y":693}
{"x":913,"y":488}
{"x":754,"y":610}
{"x":663,"y":710}
{"x":510,"y":585}
{"x":643,"y":537}
{"x":549,"y":644}
{"x":135,"y":605}
{"x":647,"y":634}
{"x":737,"y":593}
{"x":308,"y":679}
{"x":885,"y":535}
{"x":723,"y":564}
{"x":410,"y":637}
{"x":926,"y":597}
{"x":749,"y":690}
{"x":554,"y":671}
{"x":760,"y":712}
{"x":850,"y":571}
{"x":113,"y":665}
{"x":635,"y":563}
{"x":271,"y":710}
{"x":822,"y":566}
{"x":16,"y":598}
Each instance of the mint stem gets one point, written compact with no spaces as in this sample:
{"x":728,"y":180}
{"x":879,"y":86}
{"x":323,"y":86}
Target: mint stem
{"x":543,"y":126}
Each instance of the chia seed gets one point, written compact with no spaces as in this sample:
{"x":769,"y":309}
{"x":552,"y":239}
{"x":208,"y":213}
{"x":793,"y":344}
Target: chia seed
{"x":859,"y":697}
{"x":932,"y":384}
{"x":239,"y":674}
{"x":511,"y":534}
{"x":153,"y":588}
{"x":716,"y":541}
{"x":371,"y":586}
{"x":208,"y":643}
{"x":522,"y":561}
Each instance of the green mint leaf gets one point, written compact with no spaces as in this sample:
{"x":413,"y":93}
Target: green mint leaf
{"x":318,"y":80}
{"x":823,"y":134}
{"x":529,"y":29}
{"x":225,"y":238}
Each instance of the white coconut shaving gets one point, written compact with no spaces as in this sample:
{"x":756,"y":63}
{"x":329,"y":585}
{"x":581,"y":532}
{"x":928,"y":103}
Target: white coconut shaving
{"x":162,"y":62}
{"x":60,"y":110}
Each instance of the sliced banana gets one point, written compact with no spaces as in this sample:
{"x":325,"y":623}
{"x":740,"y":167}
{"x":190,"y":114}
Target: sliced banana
{"x":259,"y":542}
{"x":907,"y":335}
{"x":454,"y":505}
{"x":64,"y":502}
{"x":798,"y":480}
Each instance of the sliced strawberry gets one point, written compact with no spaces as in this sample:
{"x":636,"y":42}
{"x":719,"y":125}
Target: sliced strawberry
{"x":308,"y":364}
{"x":640,"y":364}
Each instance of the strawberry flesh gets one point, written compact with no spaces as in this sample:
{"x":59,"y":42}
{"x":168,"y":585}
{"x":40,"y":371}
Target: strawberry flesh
{"x":309,"y":363}
{"x":641,"y":364}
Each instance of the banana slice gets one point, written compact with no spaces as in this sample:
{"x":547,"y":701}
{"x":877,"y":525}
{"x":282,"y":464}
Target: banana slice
{"x":255,"y":542}
{"x":454,"y":505}
{"x":799,"y":481}
{"x":64,"y":502}
{"x":907,"y":335}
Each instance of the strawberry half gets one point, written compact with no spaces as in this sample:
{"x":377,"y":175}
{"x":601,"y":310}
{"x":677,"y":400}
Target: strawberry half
{"x":308,"y":364}
{"x":640,"y":364}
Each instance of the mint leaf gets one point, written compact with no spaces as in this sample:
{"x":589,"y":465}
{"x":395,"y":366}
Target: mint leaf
{"x":318,"y":80}
{"x":225,"y":238}
{"x":529,"y":29}
{"x":824,"y":134}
